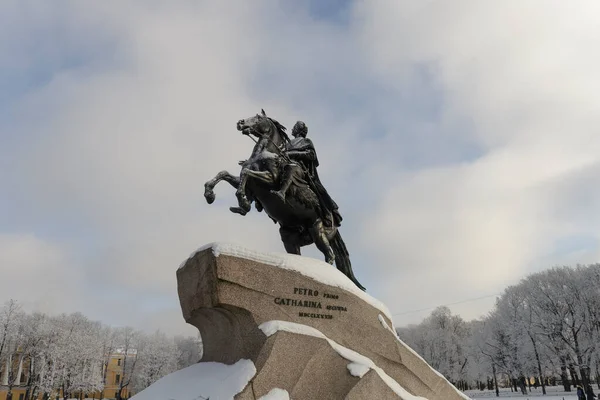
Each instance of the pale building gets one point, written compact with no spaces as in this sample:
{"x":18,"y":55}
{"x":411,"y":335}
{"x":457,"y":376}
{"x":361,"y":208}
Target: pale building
{"x":114,"y":375}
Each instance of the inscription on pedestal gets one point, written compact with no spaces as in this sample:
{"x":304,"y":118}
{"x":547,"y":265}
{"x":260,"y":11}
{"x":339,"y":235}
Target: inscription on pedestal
{"x":317,"y":300}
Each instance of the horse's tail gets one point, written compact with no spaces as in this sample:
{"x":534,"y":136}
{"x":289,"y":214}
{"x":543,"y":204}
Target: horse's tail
{"x":342,"y":258}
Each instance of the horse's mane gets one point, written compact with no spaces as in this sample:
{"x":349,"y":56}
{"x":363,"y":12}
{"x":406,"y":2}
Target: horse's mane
{"x":281,"y":129}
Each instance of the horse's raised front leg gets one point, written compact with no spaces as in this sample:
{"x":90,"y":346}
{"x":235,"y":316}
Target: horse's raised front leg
{"x":240,"y":193}
{"x":247,"y":173}
{"x":209,"y":186}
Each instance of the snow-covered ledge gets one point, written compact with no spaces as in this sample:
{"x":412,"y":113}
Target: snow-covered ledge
{"x":228,"y":291}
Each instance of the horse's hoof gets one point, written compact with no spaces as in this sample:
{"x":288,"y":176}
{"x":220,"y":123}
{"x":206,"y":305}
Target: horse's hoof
{"x":210,"y":197}
{"x":244,"y":204}
{"x":238,"y":210}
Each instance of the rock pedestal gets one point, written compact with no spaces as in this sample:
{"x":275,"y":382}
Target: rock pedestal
{"x":305,"y":326}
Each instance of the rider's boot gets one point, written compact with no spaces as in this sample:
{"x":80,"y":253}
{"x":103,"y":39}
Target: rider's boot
{"x":280,"y":194}
{"x":285,"y":184}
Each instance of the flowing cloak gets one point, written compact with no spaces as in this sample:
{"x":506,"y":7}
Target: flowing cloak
{"x":302,"y":151}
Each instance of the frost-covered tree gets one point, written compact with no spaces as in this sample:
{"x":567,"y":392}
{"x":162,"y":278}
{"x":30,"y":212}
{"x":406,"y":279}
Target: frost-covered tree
{"x":75,"y":355}
{"x":515,"y":331}
{"x":505,"y":348}
{"x":589,"y":295}
{"x":128,"y":342}
{"x":558,"y":298}
{"x":9,"y":313}
{"x":157,"y":356}
{"x":486,"y":357}
{"x":108,"y":343}
{"x":441,"y":340}
{"x":189,"y":350}
{"x":14,"y":342}
{"x":33,"y":332}
{"x":68,"y":355}
{"x":545,"y":327}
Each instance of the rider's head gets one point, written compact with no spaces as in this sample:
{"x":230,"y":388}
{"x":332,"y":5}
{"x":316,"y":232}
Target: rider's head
{"x":299,"y":129}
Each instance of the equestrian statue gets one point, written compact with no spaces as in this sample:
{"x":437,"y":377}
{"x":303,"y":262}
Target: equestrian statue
{"x":281,"y":178}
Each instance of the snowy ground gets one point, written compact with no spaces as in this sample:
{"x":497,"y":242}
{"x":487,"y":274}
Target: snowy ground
{"x":554,"y":393}
{"x":217,"y":381}
{"x":202,"y":381}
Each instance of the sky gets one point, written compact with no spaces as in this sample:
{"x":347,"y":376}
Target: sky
{"x":459,"y":139}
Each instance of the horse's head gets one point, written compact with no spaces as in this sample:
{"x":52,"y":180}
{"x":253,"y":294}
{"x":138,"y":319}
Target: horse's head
{"x":259,"y":125}
{"x":262,"y":126}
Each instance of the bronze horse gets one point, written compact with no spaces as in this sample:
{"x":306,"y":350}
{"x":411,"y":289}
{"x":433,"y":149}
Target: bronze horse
{"x":300,"y":214}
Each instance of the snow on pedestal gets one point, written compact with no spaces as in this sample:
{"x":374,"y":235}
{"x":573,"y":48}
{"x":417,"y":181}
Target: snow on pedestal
{"x":360,"y":364}
{"x":300,"y":328}
{"x":276,"y":394}
{"x":310,"y":267}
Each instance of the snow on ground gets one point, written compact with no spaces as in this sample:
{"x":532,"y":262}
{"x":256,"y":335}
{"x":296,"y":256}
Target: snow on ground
{"x":553,"y":393}
{"x":207,"y":380}
{"x":271,"y":327}
{"x":276,"y":394}
{"x":307,"y":266}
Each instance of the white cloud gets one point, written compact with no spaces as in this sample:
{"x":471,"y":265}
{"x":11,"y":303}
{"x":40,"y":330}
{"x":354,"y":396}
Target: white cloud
{"x":128,"y":146}
{"x":37,"y":273}
{"x":456,"y":139}
{"x":524,"y":78}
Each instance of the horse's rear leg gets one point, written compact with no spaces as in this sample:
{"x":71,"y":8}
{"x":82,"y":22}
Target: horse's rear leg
{"x":291,"y":240}
{"x":209,"y":186}
{"x":319,"y":235}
